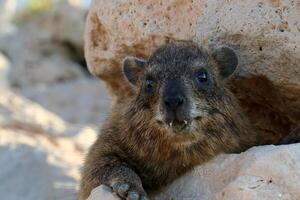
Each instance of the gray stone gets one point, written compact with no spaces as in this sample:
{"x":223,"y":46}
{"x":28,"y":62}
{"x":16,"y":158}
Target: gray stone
{"x":82,"y":101}
{"x":47,"y":48}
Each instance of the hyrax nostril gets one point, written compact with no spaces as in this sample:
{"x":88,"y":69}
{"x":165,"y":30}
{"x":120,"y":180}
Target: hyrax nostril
{"x":174,"y":102}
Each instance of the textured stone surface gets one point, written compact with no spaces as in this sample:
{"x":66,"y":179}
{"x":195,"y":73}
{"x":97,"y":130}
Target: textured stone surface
{"x":43,"y":138}
{"x":83,"y":101}
{"x":4,"y":69}
{"x":102,"y":192}
{"x":7,"y":11}
{"x":34,"y":166}
{"x":264,"y":33}
{"x":16,"y":109}
{"x":40,"y":154}
{"x":265,"y":173}
{"x":47,"y":66}
{"x":47,"y":48}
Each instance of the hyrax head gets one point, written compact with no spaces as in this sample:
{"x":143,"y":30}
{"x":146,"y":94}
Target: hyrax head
{"x":180,"y":83}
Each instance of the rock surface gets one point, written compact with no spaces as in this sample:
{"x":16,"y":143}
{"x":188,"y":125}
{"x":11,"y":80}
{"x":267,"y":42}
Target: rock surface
{"x":52,"y":54}
{"x":4,"y":69}
{"x":7,"y":11}
{"x":40,"y":154}
{"x":264,"y":33}
{"x":34,"y":166}
{"x":85,"y":102}
{"x":49,"y":105}
{"x":265,"y":173}
{"x":47,"y":66}
{"x":15,"y":109}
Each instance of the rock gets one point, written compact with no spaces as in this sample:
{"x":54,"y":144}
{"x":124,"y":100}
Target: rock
{"x":265,"y":173}
{"x":52,"y":54}
{"x":40,"y":154}
{"x":34,"y":166}
{"x":15,"y":109}
{"x":47,"y":71}
{"x":4,"y":69}
{"x":17,"y":112}
{"x":44,"y":64}
{"x":7,"y":11}
{"x":102,"y":192}
{"x":78,"y":3}
{"x":265,"y":34}
{"x":85,"y":102}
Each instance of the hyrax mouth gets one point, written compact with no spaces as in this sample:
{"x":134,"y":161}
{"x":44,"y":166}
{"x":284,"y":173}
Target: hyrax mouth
{"x":176,"y":125}
{"x":176,"y":122}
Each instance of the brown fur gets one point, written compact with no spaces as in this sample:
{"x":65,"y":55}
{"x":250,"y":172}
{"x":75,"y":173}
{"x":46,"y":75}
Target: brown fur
{"x":133,"y":148}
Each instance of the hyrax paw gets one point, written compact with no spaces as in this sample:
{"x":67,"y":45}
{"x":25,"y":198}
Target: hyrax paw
{"x":129,"y":192}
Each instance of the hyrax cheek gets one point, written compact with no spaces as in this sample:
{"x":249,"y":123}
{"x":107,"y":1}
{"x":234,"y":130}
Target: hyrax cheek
{"x":196,"y":111}
{"x":160,"y":114}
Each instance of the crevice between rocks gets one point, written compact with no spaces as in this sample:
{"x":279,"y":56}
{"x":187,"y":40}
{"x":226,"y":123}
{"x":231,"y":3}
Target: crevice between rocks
{"x":273,"y":110}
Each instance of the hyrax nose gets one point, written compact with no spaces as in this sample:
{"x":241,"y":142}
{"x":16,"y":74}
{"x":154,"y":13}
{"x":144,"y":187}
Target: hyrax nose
{"x":174,"y":102}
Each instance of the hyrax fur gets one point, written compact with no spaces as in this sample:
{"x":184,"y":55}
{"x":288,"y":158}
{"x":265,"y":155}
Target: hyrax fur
{"x":181,"y":115}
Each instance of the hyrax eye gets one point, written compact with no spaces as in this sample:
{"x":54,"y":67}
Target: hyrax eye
{"x":149,"y":84}
{"x":202,"y":76}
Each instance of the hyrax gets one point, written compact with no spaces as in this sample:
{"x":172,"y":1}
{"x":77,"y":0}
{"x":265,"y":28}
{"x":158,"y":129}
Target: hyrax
{"x":181,"y":115}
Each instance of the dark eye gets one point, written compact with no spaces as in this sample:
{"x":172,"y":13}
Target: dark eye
{"x":202,"y":76}
{"x":149,"y":86}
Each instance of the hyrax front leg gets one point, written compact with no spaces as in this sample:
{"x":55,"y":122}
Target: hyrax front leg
{"x":125,"y":183}
{"x":110,"y":171}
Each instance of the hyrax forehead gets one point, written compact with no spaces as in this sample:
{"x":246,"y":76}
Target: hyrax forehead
{"x":177,"y":59}
{"x":181,"y":59}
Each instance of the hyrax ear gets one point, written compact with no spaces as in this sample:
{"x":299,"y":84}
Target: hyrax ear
{"x":133,"y":68}
{"x":226,"y":59}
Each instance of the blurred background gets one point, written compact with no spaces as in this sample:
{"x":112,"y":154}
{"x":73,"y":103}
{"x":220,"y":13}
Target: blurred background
{"x":50,"y":106}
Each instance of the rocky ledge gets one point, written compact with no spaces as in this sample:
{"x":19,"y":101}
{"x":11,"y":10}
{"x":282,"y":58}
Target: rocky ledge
{"x":264,"y":173}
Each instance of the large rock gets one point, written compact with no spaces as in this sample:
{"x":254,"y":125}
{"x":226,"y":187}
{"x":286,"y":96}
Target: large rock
{"x":34,"y":166}
{"x":40,"y":154}
{"x":85,"y":102}
{"x":17,"y":112}
{"x":4,"y":69}
{"x":7,"y":11}
{"x":264,"y":33}
{"x":79,"y":3}
{"x":47,"y":48}
{"x":265,"y":173}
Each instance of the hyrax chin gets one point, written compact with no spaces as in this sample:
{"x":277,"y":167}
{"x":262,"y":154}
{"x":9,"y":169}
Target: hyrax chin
{"x":180,"y":116}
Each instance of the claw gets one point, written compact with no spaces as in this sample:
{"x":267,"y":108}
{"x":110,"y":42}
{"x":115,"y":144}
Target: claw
{"x":185,"y":122}
{"x":133,"y":195}
{"x":121,"y":188}
{"x":144,"y":198}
